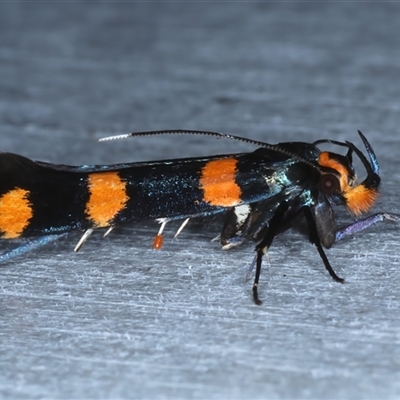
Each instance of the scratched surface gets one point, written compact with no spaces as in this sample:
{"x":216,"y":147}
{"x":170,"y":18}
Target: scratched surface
{"x":120,"y":320}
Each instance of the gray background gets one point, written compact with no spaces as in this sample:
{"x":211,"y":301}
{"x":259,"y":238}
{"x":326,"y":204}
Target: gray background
{"x":121,"y":320}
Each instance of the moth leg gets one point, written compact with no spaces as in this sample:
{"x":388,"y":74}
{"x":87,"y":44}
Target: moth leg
{"x":108,"y":231}
{"x":264,"y":245}
{"x":83,"y":239}
{"x":236,"y":226}
{"x":364,"y":223}
{"x":314,"y":239}
{"x":159,"y":240}
{"x":184,"y":223}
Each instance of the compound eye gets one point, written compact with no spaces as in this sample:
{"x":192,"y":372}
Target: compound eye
{"x":329,"y":184}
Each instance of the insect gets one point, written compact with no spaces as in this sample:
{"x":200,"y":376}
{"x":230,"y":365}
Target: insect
{"x":261,"y":194}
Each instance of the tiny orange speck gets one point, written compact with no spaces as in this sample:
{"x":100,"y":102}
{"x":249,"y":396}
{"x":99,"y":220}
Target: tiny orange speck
{"x":158,"y":242}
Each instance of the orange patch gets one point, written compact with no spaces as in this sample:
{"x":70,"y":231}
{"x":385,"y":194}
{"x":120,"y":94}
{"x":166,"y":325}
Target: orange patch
{"x":107,"y":197}
{"x":158,"y":242}
{"x":218,"y":183}
{"x":360,"y":199}
{"x":15,"y":213}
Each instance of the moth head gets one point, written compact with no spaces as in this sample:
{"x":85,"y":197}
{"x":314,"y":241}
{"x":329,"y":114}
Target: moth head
{"x":339,"y":181}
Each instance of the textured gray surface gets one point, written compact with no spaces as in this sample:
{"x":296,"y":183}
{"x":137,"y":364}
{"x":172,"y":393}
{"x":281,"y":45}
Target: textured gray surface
{"x":121,"y":320}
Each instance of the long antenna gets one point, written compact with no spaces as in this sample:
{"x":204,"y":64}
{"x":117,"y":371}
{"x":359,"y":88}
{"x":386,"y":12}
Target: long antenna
{"x":185,"y":132}
{"x":273,"y":147}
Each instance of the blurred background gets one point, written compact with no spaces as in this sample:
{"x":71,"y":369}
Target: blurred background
{"x":120,"y":320}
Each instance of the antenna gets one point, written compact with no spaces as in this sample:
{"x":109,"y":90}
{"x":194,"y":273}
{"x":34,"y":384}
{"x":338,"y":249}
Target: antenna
{"x":185,"y":132}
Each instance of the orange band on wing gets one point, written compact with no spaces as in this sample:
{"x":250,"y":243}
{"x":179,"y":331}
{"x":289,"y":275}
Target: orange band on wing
{"x":107,"y":197}
{"x":218,"y":183}
{"x":15,"y":213}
